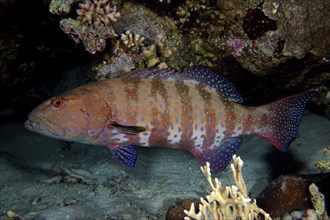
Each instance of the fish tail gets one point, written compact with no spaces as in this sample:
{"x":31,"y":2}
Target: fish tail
{"x":283,"y":117}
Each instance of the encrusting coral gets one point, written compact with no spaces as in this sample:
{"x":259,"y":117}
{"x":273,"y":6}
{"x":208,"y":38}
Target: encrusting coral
{"x":93,"y":37}
{"x":229,"y":202}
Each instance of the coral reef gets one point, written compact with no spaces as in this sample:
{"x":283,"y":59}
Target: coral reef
{"x":302,"y":25}
{"x":229,"y":202}
{"x":93,"y":37}
{"x":184,"y":33}
{"x":93,"y":25}
{"x":198,"y":32}
{"x":262,"y":36}
{"x":162,"y":40}
{"x":248,"y":35}
{"x":256,"y":23}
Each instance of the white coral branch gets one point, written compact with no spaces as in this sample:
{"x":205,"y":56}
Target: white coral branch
{"x":229,"y":202}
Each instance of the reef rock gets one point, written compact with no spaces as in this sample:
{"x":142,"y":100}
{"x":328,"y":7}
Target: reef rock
{"x":304,"y":25}
{"x":291,"y":192}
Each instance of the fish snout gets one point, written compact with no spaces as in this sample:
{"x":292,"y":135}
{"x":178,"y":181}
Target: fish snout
{"x":31,"y":124}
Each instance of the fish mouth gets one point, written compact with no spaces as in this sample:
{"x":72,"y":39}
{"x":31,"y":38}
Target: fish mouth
{"x":52,"y":130}
{"x":28,"y":125}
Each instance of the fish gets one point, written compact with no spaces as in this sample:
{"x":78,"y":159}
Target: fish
{"x":196,"y":109}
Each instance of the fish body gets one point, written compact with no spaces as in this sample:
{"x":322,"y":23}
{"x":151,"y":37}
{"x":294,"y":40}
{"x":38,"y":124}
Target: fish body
{"x":196,"y":110}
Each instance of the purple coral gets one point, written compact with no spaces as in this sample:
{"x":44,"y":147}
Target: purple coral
{"x":236,"y":45}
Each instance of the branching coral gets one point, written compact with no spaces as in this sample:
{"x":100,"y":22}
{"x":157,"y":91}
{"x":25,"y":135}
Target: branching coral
{"x":94,"y":23}
{"x":159,"y":53}
{"x":134,"y":41}
{"x":97,"y":12}
{"x":229,"y":202}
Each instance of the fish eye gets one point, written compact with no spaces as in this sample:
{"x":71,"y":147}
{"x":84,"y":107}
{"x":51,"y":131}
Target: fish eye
{"x":57,"y":103}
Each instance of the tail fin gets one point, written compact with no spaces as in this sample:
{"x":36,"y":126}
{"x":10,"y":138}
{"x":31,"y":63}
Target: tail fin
{"x":284,"y":117}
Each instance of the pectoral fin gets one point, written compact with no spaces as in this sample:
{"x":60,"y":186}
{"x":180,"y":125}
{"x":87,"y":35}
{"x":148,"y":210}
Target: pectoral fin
{"x":220,"y":156}
{"x":125,"y":154}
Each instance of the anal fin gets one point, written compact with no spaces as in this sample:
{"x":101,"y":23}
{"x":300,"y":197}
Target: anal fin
{"x":125,"y":154}
{"x":218,"y":157}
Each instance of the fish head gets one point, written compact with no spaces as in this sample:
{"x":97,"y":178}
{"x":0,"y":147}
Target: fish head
{"x":61,"y":117}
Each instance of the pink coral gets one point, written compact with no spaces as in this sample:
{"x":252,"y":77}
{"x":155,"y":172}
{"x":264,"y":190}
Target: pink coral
{"x":236,"y":45}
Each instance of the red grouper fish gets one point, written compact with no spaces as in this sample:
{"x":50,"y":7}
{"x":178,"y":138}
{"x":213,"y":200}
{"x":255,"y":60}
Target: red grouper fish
{"x":197,"y":110}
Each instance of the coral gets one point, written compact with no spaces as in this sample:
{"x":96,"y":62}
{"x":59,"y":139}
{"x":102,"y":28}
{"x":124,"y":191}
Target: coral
{"x":93,"y":25}
{"x":97,"y":12}
{"x":199,"y":18}
{"x":132,"y":41}
{"x":324,"y":165}
{"x":304,"y":25}
{"x":255,"y":44}
{"x":204,"y":53}
{"x":318,"y":201}
{"x":157,"y":53}
{"x":248,"y":35}
{"x":150,"y":56}
{"x":142,"y":21}
{"x":229,"y":202}
{"x":93,"y":37}
{"x":262,"y":54}
{"x":236,"y":45}
{"x":61,"y":6}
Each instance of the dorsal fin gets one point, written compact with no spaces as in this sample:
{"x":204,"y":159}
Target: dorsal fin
{"x":201,"y":74}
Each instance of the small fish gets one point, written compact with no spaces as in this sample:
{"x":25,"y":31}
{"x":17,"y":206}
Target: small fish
{"x":197,"y":110}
